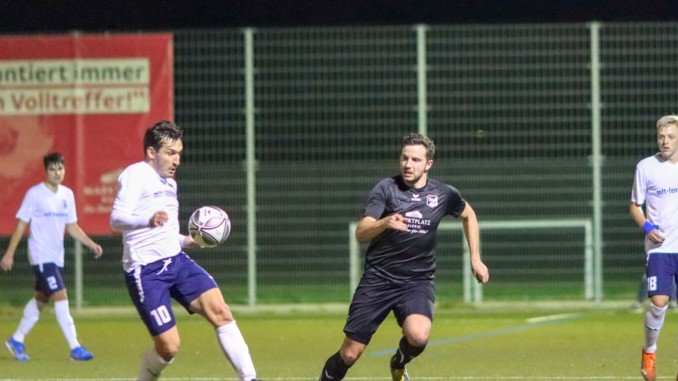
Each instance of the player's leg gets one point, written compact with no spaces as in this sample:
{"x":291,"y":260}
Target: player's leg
{"x":148,"y":288}
{"x":372,"y":302}
{"x":67,"y":325}
{"x":660,"y":278}
{"x":54,"y":287}
{"x":31,"y":315}
{"x":416,"y":330}
{"x":337,"y":365}
{"x":210,"y":304}
{"x":165,"y":347}
{"x":414,"y":313}
{"x":196,"y":290}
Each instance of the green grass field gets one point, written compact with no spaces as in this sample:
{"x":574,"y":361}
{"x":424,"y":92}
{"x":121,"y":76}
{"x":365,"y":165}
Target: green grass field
{"x":490,"y":342}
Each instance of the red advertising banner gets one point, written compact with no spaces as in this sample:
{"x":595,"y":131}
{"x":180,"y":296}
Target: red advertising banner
{"x":90,"y":97}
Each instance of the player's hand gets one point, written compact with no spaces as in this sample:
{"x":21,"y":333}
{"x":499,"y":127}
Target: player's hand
{"x":480,"y":271}
{"x":189,"y":242}
{"x":6,"y":262}
{"x":97,"y":250}
{"x":158,"y":219}
{"x":396,"y":222}
{"x":656,"y":236}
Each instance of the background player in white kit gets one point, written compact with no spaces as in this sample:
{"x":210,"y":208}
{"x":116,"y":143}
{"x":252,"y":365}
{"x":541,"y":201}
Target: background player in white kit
{"x":656,"y":186}
{"x":49,"y":209}
{"x":146,"y":211}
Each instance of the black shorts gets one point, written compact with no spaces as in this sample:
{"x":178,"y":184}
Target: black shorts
{"x":375,"y":298}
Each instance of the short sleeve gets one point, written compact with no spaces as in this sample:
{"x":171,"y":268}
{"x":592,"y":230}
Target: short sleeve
{"x":639,"y":186}
{"x":27,"y":207}
{"x":456,"y":204}
{"x":375,"y":205}
{"x":72,"y":212}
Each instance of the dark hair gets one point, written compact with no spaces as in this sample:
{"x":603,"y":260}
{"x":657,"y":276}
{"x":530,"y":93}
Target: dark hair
{"x":419,"y":139}
{"x":160,"y":133}
{"x":53,"y":158}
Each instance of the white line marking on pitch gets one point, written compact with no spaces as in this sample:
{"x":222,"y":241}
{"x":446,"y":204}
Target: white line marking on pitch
{"x":542,"y":319}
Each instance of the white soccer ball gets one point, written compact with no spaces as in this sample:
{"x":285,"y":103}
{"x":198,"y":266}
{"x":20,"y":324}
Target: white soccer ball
{"x":209,"y":226}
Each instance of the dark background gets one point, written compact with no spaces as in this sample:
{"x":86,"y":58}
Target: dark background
{"x":17,"y":17}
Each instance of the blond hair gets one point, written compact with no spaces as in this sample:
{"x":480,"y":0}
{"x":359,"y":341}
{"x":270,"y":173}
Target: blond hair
{"x":665,"y":121}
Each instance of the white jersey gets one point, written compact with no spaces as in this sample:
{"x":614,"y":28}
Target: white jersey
{"x":47,"y":212}
{"x":656,"y":186}
{"x":141,"y":193}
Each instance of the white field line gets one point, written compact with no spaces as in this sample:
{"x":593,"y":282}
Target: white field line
{"x":474,"y":378}
{"x":542,"y":319}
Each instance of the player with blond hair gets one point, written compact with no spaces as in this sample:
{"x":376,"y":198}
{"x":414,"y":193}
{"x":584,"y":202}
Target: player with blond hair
{"x":655,"y":186}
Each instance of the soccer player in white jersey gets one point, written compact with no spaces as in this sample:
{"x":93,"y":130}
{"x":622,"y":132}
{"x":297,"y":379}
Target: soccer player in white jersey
{"x":49,"y":209}
{"x":146,"y":211}
{"x":656,"y":186}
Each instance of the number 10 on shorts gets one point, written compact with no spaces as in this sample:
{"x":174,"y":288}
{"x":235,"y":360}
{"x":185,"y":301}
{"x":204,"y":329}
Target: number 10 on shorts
{"x":161,"y":315}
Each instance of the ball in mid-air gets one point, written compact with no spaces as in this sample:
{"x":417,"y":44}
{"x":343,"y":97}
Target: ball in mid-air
{"x":209,"y":226}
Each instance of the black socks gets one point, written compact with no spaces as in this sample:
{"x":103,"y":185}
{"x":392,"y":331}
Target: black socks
{"x":335,"y":369}
{"x":405,"y":354}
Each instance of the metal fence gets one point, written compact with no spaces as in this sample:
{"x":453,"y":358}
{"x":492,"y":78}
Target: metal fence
{"x":289,"y":128}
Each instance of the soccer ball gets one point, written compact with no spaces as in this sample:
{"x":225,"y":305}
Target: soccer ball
{"x":209,"y":226}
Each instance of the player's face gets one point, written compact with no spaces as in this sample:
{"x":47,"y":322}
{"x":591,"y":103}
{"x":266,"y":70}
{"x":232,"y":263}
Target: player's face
{"x":667,"y":140}
{"x":414,"y":165}
{"x":166,"y":160}
{"x":54,"y":174}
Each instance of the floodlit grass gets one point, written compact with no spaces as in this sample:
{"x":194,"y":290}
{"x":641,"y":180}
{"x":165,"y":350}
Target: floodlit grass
{"x":472,"y":343}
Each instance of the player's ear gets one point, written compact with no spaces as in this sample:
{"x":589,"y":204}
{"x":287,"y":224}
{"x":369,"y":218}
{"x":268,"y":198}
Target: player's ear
{"x":429,"y":164}
{"x":150,"y":152}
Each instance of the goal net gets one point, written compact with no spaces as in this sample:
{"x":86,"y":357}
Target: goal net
{"x":546,"y":247}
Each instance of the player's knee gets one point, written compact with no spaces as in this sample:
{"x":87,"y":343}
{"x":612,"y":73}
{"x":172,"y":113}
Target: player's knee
{"x":167,"y":353}
{"x":654,"y":318}
{"x":350,"y":358}
{"x":350,"y":355}
{"x":219,"y":314}
{"x":418,"y":340}
{"x":657,"y":311}
{"x":168,"y":349}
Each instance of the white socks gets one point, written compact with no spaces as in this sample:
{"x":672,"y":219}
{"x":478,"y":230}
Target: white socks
{"x":654,"y":320}
{"x":63,"y":316}
{"x":32,"y":314}
{"x":28,"y":320}
{"x":232,"y":344}
{"x":152,"y":365}
{"x":236,"y":351}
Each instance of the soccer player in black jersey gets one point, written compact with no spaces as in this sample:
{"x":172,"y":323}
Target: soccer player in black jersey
{"x":400,"y":221}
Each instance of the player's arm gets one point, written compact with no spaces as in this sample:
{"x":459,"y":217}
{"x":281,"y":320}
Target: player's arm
{"x":129,"y":194}
{"x":8,"y":259}
{"x":369,"y":227}
{"x":472,"y":232}
{"x":653,"y":232}
{"x":79,"y":235}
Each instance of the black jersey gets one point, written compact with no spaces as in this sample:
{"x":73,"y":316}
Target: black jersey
{"x":404,"y":256}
